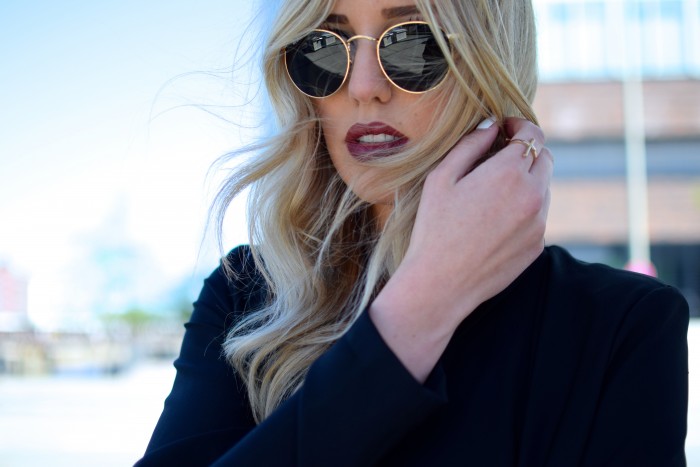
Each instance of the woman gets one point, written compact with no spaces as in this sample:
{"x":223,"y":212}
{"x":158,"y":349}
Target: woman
{"x":397,"y":305}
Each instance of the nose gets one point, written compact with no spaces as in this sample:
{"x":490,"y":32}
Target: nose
{"x":367,"y":82}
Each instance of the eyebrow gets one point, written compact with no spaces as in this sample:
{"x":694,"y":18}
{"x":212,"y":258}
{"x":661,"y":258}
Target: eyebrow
{"x":388,"y":13}
{"x":398,"y":11}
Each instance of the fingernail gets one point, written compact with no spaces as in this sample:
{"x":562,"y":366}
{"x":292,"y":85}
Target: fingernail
{"x":486,"y":123}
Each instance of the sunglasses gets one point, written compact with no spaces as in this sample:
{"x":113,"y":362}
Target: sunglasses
{"x":408,"y":53}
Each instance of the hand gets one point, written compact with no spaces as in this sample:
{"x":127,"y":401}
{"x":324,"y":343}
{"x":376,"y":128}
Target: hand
{"x":475,"y":232}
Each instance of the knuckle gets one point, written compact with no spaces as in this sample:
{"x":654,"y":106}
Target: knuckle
{"x":546,"y":153}
{"x":533,"y":203}
{"x":530,"y":130}
{"x":539,"y":134}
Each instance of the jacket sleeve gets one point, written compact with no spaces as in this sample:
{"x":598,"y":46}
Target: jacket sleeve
{"x":357,"y":400}
{"x":641,"y":418}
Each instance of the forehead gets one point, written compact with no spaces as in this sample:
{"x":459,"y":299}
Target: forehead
{"x":380,"y":9}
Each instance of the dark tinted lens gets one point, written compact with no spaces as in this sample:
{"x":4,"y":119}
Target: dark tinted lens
{"x":317,"y":63}
{"x":412,"y":58}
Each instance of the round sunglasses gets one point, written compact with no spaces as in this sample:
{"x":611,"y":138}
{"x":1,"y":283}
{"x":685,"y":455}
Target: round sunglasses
{"x":408,"y":53}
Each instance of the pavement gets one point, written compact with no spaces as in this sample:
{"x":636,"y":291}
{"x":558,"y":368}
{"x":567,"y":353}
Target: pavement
{"x":107,"y":421}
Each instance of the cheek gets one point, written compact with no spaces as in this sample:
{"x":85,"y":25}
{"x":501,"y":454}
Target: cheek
{"x":419,"y":115}
{"x":334,"y":141}
{"x":329,"y":109}
{"x":329,"y":115}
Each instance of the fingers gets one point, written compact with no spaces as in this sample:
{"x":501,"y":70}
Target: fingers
{"x":520,"y":128}
{"x":536,"y":158}
{"x":520,"y":176}
{"x":467,"y":151}
{"x":543,"y":166}
{"x":525,"y":140}
{"x":539,"y":170}
{"x":525,"y":152}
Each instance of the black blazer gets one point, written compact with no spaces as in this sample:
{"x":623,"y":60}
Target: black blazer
{"x":573,"y":364}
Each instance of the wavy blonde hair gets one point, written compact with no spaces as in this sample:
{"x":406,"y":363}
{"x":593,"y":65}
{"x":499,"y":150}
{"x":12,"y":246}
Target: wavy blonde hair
{"x":315,"y":243}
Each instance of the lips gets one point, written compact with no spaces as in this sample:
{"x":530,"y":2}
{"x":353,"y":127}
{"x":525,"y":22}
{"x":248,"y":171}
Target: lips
{"x":366,"y":141}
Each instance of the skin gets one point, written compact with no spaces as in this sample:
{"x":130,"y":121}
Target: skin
{"x":367,"y":96}
{"x":473,"y":234}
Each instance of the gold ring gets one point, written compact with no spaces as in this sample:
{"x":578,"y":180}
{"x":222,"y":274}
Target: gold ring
{"x":530,"y":146}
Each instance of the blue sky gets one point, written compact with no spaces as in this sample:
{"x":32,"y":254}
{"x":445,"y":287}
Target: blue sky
{"x":103,"y":146}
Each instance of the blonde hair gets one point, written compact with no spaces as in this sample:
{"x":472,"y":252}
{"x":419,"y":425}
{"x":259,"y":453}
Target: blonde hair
{"x":315,"y":243}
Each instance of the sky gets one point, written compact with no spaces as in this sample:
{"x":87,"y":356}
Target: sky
{"x":107,"y":135}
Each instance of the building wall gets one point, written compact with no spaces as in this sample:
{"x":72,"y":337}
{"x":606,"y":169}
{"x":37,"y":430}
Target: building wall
{"x":588,"y":213}
{"x":595,"y":211}
{"x":580,"y":110}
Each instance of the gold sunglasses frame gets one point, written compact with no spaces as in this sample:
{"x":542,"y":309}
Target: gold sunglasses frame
{"x":346,"y":45}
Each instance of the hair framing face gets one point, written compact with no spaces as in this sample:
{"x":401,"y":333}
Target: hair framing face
{"x":314,"y":242}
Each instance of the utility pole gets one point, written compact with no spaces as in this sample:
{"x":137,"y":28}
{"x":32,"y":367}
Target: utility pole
{"x":635,"y":142}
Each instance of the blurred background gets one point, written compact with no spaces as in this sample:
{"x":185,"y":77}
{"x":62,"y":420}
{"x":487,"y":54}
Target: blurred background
{"x":112,"y":113}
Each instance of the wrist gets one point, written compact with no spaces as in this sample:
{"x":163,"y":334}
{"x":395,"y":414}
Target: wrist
{"x":412,"y":324}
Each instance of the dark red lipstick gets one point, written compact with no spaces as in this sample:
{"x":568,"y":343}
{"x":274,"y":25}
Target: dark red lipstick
{"x":366,"y":141}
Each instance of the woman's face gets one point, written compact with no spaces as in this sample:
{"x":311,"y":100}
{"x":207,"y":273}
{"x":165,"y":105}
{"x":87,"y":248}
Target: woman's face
{"x":369,"y":113}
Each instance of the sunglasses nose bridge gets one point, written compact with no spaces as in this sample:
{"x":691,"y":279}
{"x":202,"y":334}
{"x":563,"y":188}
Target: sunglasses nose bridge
{"x":352,"y":47}
{"x":359,"y":36}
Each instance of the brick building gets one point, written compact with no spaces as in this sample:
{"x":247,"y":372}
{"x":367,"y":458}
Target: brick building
{"x":586,"y":49}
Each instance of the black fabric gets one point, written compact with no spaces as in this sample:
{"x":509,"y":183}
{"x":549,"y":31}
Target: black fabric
{"x":573,"y":364}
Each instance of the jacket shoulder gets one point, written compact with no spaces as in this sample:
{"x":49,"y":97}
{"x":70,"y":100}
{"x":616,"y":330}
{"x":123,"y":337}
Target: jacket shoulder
{"x":233,"y":289}
{"x":600,"y":282}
